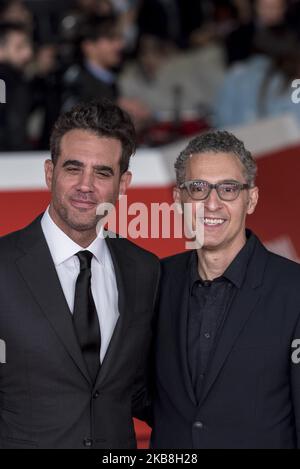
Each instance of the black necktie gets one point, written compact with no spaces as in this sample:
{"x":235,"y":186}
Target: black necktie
{"x":85,"y":318}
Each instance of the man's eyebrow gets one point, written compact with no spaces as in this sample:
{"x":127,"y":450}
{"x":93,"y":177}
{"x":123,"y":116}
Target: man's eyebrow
{"x":104,"y":168}
{"x":221,"y":181}
{"x":228,"y":181}
{"x":77,"y":163}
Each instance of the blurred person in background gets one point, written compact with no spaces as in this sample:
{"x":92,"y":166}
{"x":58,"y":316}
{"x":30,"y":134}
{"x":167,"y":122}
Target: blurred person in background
{"x":128,"y":13}
{"x":141,"y":77}
{"x":16,"y":11}
{"x":15,"y":54}
{"x":95,"y":7}
{"x":72,"y":19}
{"x":173,"y":82}
{"x":220,"y":18}
{"x":96,"y":77}
{"x":46,"y":74}
{"x":101,"y":47}
{"x":261,"y":87}
{"x":265,"y":14}
{"x":126,"y":10}
{"x":171,"y":19}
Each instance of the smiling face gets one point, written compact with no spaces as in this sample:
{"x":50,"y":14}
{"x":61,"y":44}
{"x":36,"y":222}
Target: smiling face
{"x":16,"y":49}
{"x":224,"y":222}
{"x":86,"y":174}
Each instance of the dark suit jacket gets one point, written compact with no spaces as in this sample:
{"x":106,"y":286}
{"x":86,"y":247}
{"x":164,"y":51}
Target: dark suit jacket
{"x":46,"y":397}
{"x":251,"y":394}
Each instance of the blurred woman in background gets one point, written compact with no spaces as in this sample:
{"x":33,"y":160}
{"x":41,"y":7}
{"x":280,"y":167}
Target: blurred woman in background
{"x":261,"y":86}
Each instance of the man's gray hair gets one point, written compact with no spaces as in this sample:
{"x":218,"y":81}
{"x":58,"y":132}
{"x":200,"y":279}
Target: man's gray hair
{"x":217,"y":142}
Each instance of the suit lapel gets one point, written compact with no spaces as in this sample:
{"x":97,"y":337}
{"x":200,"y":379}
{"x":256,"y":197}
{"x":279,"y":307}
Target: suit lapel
{"x":125,"y":272}
{"x":39,"y":273}
{"x":239,"y":313}
{"x":238,"y":316}
{"x":180,"y":305}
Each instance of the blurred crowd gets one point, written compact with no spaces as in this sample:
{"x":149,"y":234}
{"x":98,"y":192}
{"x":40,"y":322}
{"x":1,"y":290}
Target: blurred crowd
{"x":177,"y":66}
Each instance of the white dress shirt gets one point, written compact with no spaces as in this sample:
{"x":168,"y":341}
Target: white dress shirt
{"x":103,"y":281}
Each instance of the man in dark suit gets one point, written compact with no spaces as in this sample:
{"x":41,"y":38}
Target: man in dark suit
{"x":76,"y":308}
{"x":96,"y":77}
{"x":228,"y":317}
{"x":101,"y":49}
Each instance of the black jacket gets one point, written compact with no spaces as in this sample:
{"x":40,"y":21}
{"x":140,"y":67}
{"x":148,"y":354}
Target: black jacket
{"x":251,"y":395}
{"x":46,"y":397}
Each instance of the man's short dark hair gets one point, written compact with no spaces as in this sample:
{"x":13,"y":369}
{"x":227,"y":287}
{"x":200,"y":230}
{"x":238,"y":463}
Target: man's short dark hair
{"x":96,"y":27}
{"x":103,"y":119}
{"x":218,"y":141}
{"x":8,"y":27}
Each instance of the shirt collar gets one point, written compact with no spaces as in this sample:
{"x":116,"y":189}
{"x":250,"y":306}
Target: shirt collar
{"x":100,"y":73}
{"x":236,"y":271}
{"x":63,"y":248}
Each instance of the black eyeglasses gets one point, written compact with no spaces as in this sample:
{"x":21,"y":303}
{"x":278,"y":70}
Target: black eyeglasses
{"x":227,"y":191}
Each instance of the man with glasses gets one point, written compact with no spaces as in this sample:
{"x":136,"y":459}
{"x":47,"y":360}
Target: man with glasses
{"x":228,"y":316}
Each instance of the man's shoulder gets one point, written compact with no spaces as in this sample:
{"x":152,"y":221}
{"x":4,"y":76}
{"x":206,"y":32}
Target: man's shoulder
{"x":274,"y":267}
{"x":9,"y":249}
{"x":10,"y":243}
{"x":283,"y":267}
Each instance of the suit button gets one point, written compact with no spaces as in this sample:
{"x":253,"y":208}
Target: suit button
{"x":96,"y":395}
{"x":198,"y":425}
{"x":87,"y":442}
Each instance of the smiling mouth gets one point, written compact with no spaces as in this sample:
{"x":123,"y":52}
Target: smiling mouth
{"x":83,"y":203}
{"x":213,"y":222}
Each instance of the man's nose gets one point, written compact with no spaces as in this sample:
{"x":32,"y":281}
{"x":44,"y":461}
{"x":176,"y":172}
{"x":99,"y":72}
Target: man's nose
{"x":86,"y":182}
{"x":213,"y":202}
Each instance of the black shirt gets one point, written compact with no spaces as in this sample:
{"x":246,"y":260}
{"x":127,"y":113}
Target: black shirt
{"x":209,"y":304}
